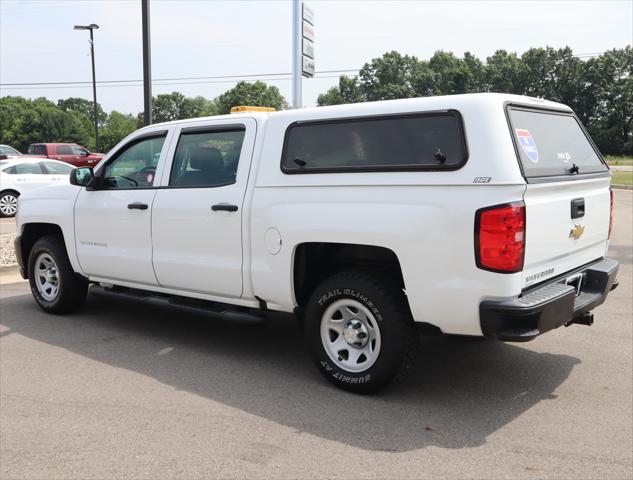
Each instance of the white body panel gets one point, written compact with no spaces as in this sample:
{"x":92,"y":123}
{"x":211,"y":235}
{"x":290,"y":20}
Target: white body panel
{"x":112,"y":240}
{"x":550,"y":250}
{"x":210,"y":261}
{"x":426,"y":218}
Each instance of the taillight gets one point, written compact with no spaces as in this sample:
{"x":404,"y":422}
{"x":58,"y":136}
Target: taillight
{"x":610,"y":213}
{"x":500,"y":237}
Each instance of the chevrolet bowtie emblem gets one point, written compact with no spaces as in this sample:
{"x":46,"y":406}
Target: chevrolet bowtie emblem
{"x":577,"y":232}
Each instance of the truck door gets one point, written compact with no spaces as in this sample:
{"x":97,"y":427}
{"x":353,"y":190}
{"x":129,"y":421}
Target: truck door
{"x":63,"y":153}
{"x":113,"y":222}
{"x":197,"y":214}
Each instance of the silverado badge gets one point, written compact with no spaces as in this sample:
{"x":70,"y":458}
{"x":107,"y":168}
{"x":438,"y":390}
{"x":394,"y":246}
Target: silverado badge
{"x":577,"y":232}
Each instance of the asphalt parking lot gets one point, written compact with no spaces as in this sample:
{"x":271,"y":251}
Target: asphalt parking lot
{"x":123,"y":390}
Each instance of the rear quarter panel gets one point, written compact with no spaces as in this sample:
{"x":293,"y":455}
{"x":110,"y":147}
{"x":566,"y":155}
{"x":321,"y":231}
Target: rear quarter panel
{"x":425,"y":218}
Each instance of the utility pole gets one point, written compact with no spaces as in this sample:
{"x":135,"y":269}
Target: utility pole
{"x":91,"y":27}
{"x":147,"y":65}
{"x":296,"y":53}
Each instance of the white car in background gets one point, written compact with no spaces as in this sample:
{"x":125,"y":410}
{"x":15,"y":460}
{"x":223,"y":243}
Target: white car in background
{"x":18,"y":175}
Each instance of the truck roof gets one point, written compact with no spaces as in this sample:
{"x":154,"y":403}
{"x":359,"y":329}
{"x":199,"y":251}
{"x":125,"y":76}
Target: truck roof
{"x":443,"y":102}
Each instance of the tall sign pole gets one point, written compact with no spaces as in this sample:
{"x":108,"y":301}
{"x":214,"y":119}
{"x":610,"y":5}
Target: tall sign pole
{"x":147,"y":65}
{"x":296,"y":53}
{"x":302,"y":47}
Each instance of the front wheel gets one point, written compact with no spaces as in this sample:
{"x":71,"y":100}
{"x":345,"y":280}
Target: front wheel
{"x":360,"y":331}
{"x":55,"y":286}
{"x":8,"y":204}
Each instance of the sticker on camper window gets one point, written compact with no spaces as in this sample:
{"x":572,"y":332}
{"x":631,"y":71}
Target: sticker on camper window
{"x":527,"y":144}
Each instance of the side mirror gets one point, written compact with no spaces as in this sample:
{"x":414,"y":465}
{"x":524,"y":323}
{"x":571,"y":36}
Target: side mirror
{"x":86,"y":153}
{"x":81,"y":176}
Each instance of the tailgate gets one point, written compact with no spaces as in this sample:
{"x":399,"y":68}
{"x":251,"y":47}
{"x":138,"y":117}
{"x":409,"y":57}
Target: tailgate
{"x":567,"y":198}
{"x":557,"y":243}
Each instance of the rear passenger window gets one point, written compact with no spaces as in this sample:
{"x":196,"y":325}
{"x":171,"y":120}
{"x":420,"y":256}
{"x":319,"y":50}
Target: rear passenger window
{"x":412,"y":142}
{"x":207,"y":159}
{"x":25,"y":169}
{"x":37,"y":149}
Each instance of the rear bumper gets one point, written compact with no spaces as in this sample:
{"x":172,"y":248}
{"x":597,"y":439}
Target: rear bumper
{"x":550,"y":306}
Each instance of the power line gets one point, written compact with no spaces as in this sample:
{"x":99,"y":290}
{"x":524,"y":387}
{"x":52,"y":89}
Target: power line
{"x":172,"y":81}
{"x":104,"y":82}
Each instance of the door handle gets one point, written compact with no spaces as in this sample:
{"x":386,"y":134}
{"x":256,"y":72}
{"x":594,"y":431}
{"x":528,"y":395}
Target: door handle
{"x":578,"y":208}
{"x":225,"y":207}
{"x":137,"y":206}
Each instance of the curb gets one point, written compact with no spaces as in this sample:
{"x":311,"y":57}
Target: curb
{"x":622,"y":187}
{"x":9,"y":268}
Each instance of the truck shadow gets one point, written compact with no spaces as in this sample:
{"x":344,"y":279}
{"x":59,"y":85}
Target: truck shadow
{"x":462,"y":390}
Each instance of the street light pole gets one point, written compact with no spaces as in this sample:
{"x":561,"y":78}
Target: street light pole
{"x":147,"y":64}
{"x":91,"y":27}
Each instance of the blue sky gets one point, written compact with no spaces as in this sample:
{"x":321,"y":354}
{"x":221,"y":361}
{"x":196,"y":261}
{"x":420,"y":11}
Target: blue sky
{"x":210,"y":38}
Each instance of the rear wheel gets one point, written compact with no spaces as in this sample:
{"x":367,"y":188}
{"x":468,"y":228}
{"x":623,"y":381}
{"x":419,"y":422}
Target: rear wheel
{"x":8,"y":204}
{"x":360,"y":331}
{"x":55,"y":286}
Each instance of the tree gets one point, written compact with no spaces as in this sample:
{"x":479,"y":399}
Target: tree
{"x":256,"y":94}
{"x":347,"y":91}
{"x":117,"y":127}
{"x":23,"y":122}
{"x":175,"y":106}
{"x":503,"y":73}
{"x":389,"y":77}
{"x":610,"y":88}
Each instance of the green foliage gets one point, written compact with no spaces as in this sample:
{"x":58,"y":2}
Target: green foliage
{"x":599,"y":90}
{"x":116,"y":127}
{"x":24,"y":121}
{"x":255,"y":94}
{"x":175,"y":106}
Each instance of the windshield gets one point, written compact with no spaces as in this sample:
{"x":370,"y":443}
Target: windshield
{"x":552,"y":143}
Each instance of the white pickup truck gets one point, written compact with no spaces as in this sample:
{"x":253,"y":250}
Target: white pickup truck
{"x":481,"y":214}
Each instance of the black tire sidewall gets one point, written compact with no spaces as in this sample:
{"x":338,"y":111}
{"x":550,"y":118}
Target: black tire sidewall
{"x":72,"y":290}
{"x":386,"y":305}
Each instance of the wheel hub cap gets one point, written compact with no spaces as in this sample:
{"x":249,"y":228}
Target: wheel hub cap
{"x":356,"y":333}
{"x":8,"y":205}
{"x":350,"y":335}
{"x":46,"y":278}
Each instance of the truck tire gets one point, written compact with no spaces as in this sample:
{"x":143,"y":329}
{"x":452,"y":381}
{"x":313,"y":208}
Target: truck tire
{"x":55,"y":286}
{"x":360,"y":331}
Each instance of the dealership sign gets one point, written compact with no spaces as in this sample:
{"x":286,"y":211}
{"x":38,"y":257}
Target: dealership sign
{"x":307,"y":41}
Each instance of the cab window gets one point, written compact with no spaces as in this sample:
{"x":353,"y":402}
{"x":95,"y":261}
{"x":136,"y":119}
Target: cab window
{"x":135,"y":165}
{"x":64,"y":150}
{"x":207,"y":159}
{"x":77,"y":150}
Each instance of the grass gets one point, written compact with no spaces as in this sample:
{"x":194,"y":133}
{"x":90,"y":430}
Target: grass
{"x":616,"y":160}
{"x":622,"y":178}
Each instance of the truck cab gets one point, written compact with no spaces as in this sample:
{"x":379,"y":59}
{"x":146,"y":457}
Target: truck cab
{"x":70,"y":153}
{"x":481,"y":214}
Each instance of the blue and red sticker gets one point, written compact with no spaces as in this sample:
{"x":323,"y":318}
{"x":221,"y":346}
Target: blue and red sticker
{"x":527,"y":144}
